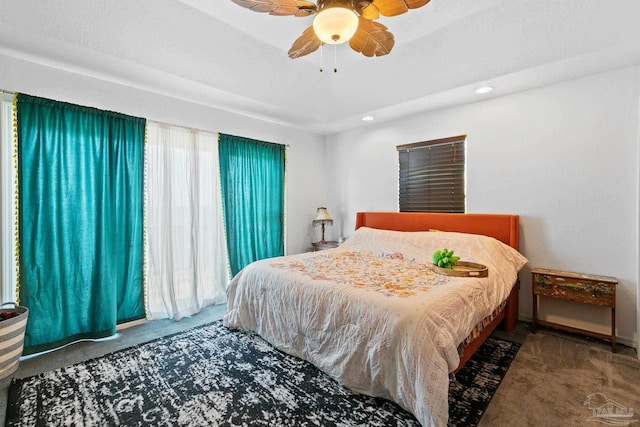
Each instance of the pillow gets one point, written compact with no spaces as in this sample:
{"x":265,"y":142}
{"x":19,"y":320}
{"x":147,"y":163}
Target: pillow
{"x":420,"y":245}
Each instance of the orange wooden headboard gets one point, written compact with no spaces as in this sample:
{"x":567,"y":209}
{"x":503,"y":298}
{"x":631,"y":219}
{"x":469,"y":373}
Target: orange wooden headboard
{"x":502,"y":227}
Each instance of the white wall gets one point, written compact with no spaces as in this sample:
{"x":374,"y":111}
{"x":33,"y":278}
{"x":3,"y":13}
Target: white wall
{"x":306,"y":155}
{"x":563,"y":157}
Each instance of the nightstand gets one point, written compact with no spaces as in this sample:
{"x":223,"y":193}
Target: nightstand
{"x":578,"y":287}
{"x":320,"y":246}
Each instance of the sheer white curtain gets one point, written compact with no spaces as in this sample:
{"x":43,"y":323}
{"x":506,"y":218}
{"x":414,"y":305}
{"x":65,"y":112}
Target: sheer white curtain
{"x":186,"y":253}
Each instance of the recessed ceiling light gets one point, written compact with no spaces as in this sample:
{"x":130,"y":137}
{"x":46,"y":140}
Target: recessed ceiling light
{"x":367,"y":118}
{"x":484,"y":89}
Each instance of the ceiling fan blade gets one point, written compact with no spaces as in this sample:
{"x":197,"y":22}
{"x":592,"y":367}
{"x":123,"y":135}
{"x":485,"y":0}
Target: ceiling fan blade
{"x":305,"y":8}
{"x":372,"y":39}
{"x":305,"y":44}
{"x":370,"y":12}
{"x":279,"y":7}
{"x":397,"y":7}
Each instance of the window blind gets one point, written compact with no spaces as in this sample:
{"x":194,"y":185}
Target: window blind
{"x":431,"y":176}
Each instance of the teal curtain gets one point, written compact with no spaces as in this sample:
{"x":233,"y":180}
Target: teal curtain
{"x":252,"y":174}
{"x":80,"y":181}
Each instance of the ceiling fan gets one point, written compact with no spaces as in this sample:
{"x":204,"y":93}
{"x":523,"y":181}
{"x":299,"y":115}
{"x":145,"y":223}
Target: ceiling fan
{"x":339,"y":21}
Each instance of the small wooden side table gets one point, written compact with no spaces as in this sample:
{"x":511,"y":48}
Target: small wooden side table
{"x":320,"y":246}
{"x":578,"y":287}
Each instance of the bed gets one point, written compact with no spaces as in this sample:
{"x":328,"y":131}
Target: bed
{"x":374,"y":316}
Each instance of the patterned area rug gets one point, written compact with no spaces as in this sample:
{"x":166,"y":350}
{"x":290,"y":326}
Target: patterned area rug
{"x":210,"y":376}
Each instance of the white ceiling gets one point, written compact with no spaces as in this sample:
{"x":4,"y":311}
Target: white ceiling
{"x":215,"y":53}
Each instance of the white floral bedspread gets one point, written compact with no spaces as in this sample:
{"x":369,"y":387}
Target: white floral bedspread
{"x":372,"y":315}
{"x":389,"y":274}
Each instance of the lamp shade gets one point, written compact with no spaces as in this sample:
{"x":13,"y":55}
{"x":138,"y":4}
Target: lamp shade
{"x":335,"y":25}
{"x":322,"y":216}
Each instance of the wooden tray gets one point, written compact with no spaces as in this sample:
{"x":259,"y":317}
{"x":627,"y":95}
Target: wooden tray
{"x":463,"y":269}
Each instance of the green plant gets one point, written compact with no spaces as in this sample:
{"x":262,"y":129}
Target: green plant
{"x":444,"y":258}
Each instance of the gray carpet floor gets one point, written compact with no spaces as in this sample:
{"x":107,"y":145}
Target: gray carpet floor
{"x":546,"y":385}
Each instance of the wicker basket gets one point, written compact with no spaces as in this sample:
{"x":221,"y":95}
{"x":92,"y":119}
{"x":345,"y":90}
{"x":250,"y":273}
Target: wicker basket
{"x":12,"y":339}
{"x":463,"y":269}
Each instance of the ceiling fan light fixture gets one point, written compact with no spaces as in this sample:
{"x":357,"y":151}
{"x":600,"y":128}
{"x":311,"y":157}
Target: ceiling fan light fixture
{"x":335,"y":25}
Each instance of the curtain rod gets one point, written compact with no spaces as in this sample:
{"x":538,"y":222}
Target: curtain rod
{"x":7,"y":91}
{"x":287,"y":146}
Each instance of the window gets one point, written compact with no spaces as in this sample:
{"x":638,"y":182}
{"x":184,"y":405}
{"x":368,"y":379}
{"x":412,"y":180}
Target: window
{"x":7,"y":205}
{"x":432,"y":175}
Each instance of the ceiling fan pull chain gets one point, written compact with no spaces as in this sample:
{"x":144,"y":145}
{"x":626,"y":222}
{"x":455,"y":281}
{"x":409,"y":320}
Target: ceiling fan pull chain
{"x":321,"y":57}
{"x":335,"y":58}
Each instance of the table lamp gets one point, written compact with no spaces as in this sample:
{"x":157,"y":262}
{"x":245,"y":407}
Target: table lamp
{"x":322,"y":218}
